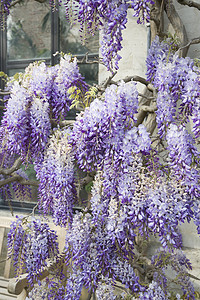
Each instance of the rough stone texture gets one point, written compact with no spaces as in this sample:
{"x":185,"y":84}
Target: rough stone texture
{"x":191,"y":18}
{"x":190,"y":236}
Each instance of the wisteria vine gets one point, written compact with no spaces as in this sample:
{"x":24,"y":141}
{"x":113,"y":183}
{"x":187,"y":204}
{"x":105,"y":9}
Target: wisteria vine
{"x":138,"y":191}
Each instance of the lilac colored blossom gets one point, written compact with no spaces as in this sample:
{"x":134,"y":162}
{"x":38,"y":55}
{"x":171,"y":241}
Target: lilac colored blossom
{"x":94,"y":255}
{"x":126,"y":274}
{"x":15,"y":123}
{"x":38,"y":78}
{"x":178,"y":262}
{"x":57,"y":192}
{"x":133,"y":194}
{"x":101,"y":126}
{"x":175,"y":79}
{"x":165,"y":209}
{"x":66,"y":74}
{"x":15,"y":239}
{"x":4,"y":11}
{"x":40,"y":124}
{"x":108,"y":16}
{"x":118,"y":160}
{"x":166,"y":111}
{"x":111,"y":18}
{"x":115,"y":19}
{"x":153,"y":291}
{"x":190,"y":104}
{"x":88,"y":136}
{"x":158,"y":51}
{"x":189,"y":82}
{"x":85,"y":268}
{"x":140,"y":200}
{"x":30,"y":244}
{"x":136,"y":140}
{"x":26,"y":124}
{"x":183,"y":157}
{"x":142,"y":10}
{"x":168,"y":83}
{"x":40,"y":95}
{"x":105,"y":291}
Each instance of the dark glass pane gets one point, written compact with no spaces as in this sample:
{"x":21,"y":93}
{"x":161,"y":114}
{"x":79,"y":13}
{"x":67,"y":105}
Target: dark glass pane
{"x":12,"y":72}
{"x":70,"y":37}
{"x":29,"y":31}
{"x":90,"y":72}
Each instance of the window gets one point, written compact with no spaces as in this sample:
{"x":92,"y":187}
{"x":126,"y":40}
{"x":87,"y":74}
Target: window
{"x":34,"y":32}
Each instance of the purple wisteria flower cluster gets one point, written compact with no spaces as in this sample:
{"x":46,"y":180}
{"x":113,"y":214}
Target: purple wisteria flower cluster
{"x":94,"y":259}
{"x":142,"y":10}
{"x":184,"y":158}
{"x":108,"y":16}
{"x":30,"y":244}
{"x":57,"y":191}
{"x":100,"y":128}
{"x":37,"y":99}
{"x":176,"y":80}
{"x":4,"y":11}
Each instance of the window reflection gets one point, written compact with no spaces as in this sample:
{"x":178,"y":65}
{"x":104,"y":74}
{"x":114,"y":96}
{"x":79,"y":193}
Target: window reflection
{"x":70,"y":37}
{"x":29,"y":31}
{"x":34,"y":33}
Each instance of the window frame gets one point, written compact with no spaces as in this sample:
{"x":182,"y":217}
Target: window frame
{"x":6,"y":65}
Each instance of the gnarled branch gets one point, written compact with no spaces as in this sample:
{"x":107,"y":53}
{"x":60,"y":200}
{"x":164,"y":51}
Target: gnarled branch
{"x":14,"y":167}
{"x":20,"y":179}
{"x":191,"y":42}
{"x":150,"y":109}
{"x":177,"y":24}
{"x":189,"y":3}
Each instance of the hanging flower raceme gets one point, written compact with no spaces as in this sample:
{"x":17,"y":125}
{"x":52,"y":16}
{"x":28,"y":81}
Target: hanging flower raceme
{"x":30,"y":244}
{"x":57,"y":192}
{"x":66,"y":75}
{"x":157,"y":52}
{"x":102,"y":125}
{"x":184,"y":158}
{"x":119,"y":158}
{"x":114,"y":21}
{"x":4,"y":11}
{"x":40,"y":96}
{"x":190,"y":96}
{"x":167,"y":206}
{"x":94,"y":257}
{"x":15,"y":130}
{"x":26,"y":124}
{"x":142,"y":10}
{"x":175,"y":79}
